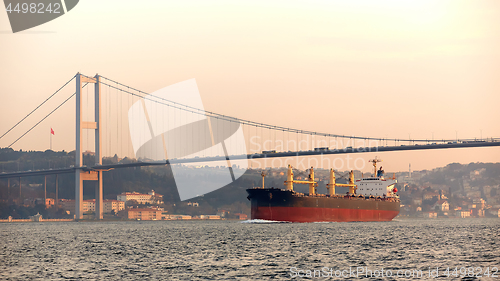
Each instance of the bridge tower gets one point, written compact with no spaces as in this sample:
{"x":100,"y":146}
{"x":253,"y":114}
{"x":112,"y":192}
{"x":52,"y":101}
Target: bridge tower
{"x":82,"y":174}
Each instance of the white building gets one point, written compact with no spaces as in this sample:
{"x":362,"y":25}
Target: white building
{"x":110,"y":206}
{"x":443,"y":205}
{"x":209,"y":217}
{"x":463,"y":213}
{"x":88,"y":206}
{"x":177,"y":217}
{"x":150,"y":198}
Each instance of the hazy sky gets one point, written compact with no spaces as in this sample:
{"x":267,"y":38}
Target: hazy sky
{"x":371,"y":68}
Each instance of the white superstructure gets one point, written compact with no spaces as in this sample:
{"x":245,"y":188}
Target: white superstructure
{"x":377,"y":185}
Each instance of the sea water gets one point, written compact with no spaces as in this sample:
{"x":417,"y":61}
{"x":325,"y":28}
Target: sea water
{"x":251,"y":250}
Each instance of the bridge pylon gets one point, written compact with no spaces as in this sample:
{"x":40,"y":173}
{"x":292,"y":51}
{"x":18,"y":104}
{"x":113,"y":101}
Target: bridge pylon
{"x":80,"y":174}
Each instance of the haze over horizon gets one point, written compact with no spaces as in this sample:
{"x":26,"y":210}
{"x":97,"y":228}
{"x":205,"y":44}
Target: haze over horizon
{"x":389,"y":69}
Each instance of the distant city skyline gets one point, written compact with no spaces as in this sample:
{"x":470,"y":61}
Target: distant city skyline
{"x":390,"y":69}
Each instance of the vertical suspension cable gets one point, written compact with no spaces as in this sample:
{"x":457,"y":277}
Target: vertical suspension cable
{"x":163,"y":125}
{"x":87,"y":118}
{"x":297,"y":144}
{"x":283,"y":140}
{"x":151,"y":115}
{"x":205,"y":135}
{"x":184,"y":135}
{"x":169,"y":127}
{"x":256,"y":136}
{"x":244,"y":136}
{"x":132,"y":112}
{"x":105,"y":123}
{"x":186,"y":132}
{"x":287,"y":138}
{"x":108,"y":126}
{"x":230,"y":123}
{"x":192,"y":138}
{"x":155,"y":128}
{"x":175,"y":136}
{"x":143,"y":129}
{"x":121,"y":124}
{"x":117,"y":145}
{"x":211,"y":132}
{"x":223,"y":127}
{"x":126,"y":111}
{"x":188,"y":148}
{"x":217,"y":133}
{"x":180,"y":133}
{"x":262,"y":138}
{"x":274,"y":138}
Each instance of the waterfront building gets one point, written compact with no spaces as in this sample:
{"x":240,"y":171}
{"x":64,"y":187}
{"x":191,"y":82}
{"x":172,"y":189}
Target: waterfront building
{"x":109,"y":206}
{"x":113,"y":206}
{"x":441,"y":205}
{"x":145,"y":214}
{"x":151,"y":198}
{"x":463,"y":213}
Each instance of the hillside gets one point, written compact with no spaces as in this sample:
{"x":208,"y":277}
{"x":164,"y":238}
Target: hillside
{"x":461,"y":181}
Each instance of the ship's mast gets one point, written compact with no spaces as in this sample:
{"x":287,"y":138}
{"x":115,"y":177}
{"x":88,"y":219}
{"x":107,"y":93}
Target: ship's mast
{"x":313,"y":184}
{"x":332,"y":184}
{"x":289,"y":178}
{"x":290,"y":181}
{"x":375,"y":161}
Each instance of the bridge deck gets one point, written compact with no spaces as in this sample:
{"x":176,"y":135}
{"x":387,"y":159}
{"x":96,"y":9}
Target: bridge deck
{"x":254,"y":156}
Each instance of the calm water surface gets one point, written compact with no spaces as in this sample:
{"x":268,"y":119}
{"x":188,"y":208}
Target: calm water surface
{"x":232,"y":250}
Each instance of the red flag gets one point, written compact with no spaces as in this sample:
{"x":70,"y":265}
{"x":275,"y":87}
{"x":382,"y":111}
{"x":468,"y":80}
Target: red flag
{"x":52,"y":131}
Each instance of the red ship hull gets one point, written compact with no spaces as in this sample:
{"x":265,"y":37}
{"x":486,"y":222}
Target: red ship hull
{"x":304,"y":214}
{"x":283,"y":205}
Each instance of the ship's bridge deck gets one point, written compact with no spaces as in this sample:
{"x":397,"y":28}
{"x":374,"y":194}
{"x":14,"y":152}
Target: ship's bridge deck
{"x":375,"y":179}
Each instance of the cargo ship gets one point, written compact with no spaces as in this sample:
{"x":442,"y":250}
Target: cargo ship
{"x":372,"y":198}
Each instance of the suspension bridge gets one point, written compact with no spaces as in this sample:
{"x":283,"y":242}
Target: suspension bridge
{"x":171,"y":126}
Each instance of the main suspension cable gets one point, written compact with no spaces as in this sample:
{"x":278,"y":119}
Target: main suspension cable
{"x":44,"y":118}
{"x":38,"y":107}
{"x":248,"y":122}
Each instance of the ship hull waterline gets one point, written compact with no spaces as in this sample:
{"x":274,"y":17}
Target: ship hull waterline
{"x":283,"y":205}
